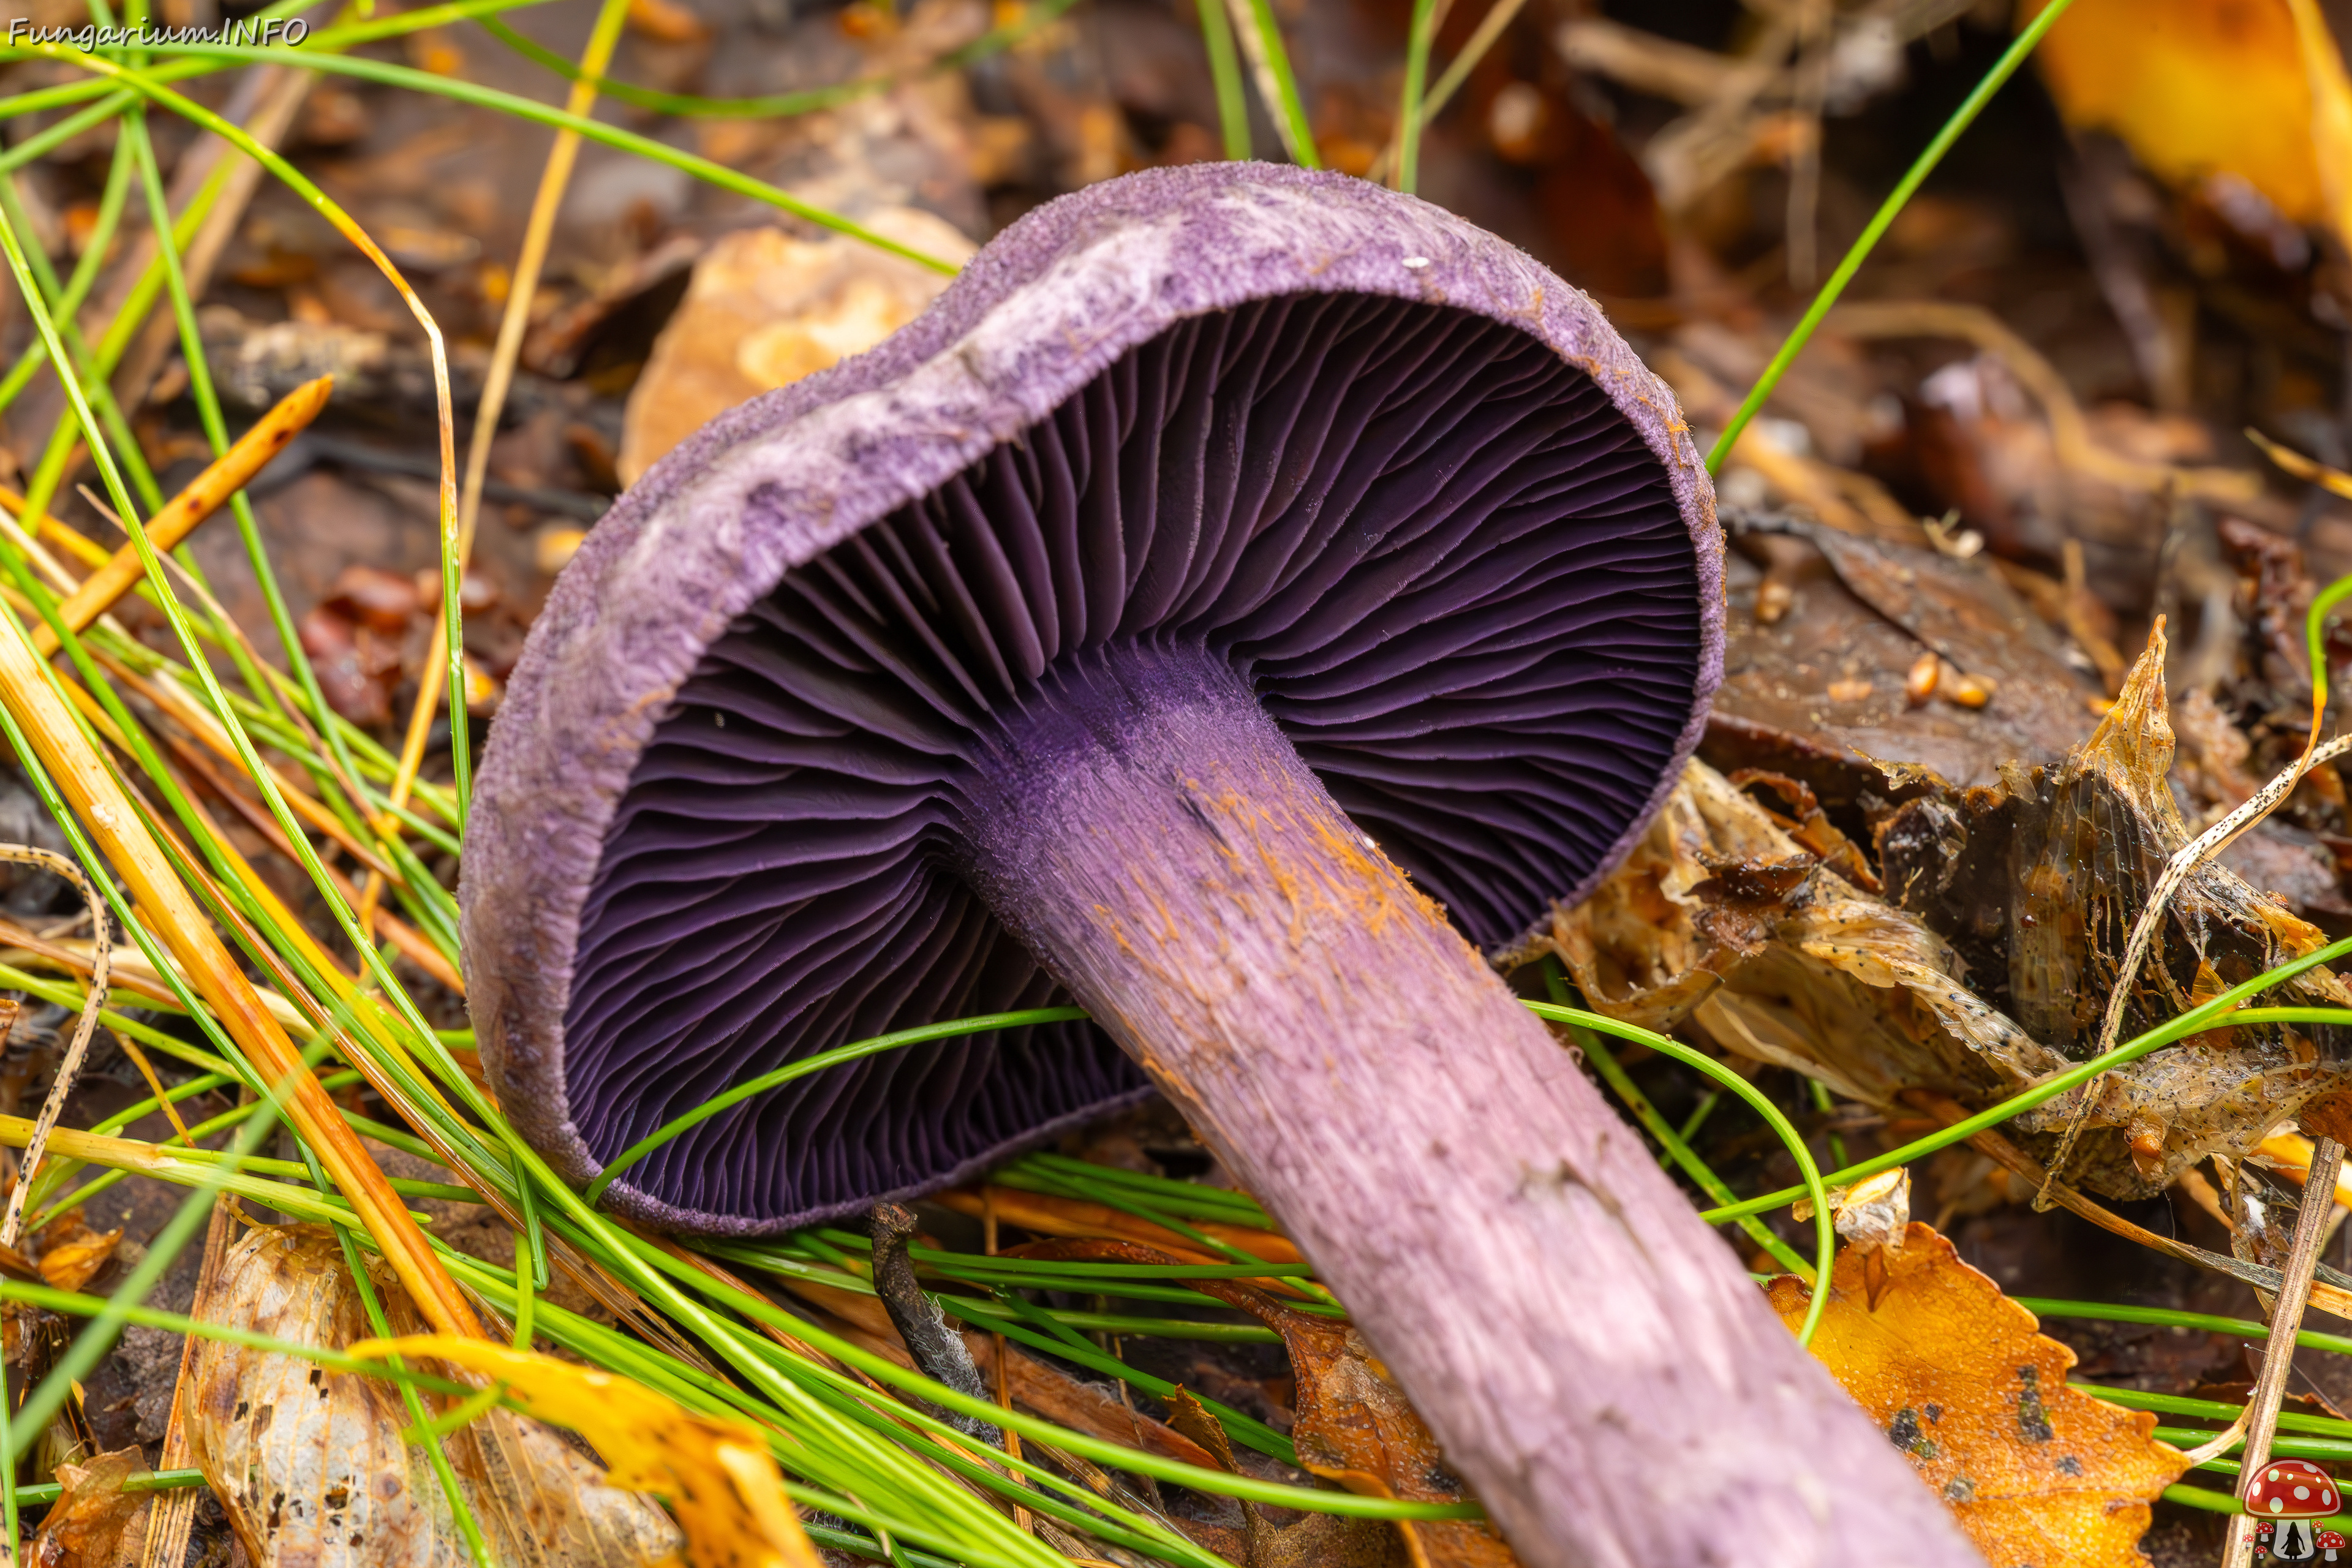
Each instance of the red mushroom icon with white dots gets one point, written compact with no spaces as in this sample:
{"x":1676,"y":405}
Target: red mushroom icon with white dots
{"x":2290,"y":1494}
{"x":2331,"y":1541}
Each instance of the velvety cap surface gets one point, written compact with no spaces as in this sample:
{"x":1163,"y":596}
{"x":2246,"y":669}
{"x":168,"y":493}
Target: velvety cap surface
{"x":1398,"y":478}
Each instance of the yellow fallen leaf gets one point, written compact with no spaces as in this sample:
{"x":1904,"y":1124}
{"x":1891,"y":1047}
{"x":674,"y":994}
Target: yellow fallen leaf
{"x":716,"y":1475}
{"x":2197,"y":87}
{"x":1963,"y":1382}
{"x":69,"y":1265}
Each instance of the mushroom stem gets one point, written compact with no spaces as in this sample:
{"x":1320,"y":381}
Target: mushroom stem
{"x":1591,"y":1355}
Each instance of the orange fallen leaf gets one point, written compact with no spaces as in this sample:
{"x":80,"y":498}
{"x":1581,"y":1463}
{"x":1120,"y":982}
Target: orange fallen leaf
{"x":1353,"y":1424}
{"x":71,"y":1264}
{"x":1962,"y":1381}
{"x":86,"y":1525}
{"x":2254,"y":88}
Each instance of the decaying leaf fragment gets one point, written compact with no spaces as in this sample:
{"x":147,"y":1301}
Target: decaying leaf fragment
{"x":86,"y":1525}
{"x":1353,"y":1424}
{"x":1720,"y":917}
{"x":2037,"y":885}
{"x":311,"y":1467}
{"x":1964,"y":1382}
{"x":72,"y":1253}
{"x":717,"y":1474}
{"x":1989,"y":962}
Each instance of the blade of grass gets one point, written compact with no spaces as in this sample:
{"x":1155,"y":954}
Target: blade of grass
{"x":1421,"y":34}
{"x":1225,"y":74}
{"x":1261,"y":40}
{"x":853,"y":1051}
{"x":1960,"y":119}
{"x":445,"y":658}
{"x":1613,"y":1074}
{"x":98,"y":802}
{"x":1814,"y":1187}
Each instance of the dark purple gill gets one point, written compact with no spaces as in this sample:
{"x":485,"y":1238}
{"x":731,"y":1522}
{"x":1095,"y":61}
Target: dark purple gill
{"x":1450,"y":569}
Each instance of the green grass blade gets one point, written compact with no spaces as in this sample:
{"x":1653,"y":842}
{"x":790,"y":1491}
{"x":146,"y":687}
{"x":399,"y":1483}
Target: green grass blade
{"x":1410,"y":112}
{"x":1960,"y":119}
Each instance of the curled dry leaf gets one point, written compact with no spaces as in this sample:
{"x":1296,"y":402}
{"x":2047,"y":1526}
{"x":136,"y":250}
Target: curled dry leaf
{"x":1353,"y":1424}
{"x":1719,"y":916}
{"x":1964,"y":1382}
{"x":86,"y":1525}
{"x":72,"y":1261}
{"x":765,"y":309}
{"x":310,"y":1464}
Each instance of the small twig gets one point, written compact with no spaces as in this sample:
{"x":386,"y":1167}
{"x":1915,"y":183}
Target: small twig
{"x":939,"y":1351}
{"x":68,"y":1069}
{"x":2286,"y":1318}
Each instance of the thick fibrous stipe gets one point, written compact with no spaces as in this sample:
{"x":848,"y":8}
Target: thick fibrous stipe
{"x":1443,"y":559}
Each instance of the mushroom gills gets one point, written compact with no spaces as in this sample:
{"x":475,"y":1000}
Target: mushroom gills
{"x":1414,"y":563}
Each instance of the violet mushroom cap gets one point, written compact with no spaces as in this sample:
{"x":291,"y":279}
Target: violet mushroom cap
{"x":1224,"y":539}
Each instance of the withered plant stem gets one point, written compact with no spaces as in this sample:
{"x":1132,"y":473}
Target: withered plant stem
{"x":206,"y":494}
{"x":2278,"y":1350}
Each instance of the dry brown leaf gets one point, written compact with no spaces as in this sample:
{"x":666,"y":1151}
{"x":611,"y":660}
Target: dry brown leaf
{"x":310,"y":1464}
{"x":85,"y":1527}
{"x":1963,"y":1382}
{"x":1719,"y":916}
{"x":1312,"y":1541}
{"x":765,"y":309}
{"x":1353,"y":1424}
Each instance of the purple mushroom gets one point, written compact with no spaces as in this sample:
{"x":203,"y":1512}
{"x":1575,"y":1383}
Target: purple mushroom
{"x":1242,"y":592}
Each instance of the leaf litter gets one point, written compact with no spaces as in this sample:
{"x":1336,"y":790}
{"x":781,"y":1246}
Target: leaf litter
{"x":1905,"y":864}
{"x":313,"y":1465}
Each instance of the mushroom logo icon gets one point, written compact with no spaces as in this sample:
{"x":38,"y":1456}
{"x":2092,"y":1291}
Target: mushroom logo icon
{"x":2290,"y":1494}
{"x":2330,"y":1543}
